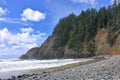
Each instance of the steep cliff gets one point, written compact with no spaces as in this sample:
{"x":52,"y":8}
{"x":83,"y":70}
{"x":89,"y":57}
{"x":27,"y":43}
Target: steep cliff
{"x":91,"y":33}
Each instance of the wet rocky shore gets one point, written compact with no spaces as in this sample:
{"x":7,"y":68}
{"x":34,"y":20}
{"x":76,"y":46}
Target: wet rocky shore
{"x":103,"y":69}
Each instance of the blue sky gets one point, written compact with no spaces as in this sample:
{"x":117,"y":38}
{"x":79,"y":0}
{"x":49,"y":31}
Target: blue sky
{"x":27,"y":23}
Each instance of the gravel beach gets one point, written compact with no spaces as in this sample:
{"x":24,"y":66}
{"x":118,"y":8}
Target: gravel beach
{"x":107,"y":69}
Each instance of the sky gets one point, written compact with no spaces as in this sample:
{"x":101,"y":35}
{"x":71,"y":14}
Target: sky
{"x":25,"y":24}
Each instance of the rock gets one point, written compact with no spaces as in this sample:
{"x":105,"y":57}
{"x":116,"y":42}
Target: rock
{"x":9,"y":79}
{"x":13,"y":77}
{"x":44,"y":75}
{"x":93,"y":71}
{"x":20,"y":76}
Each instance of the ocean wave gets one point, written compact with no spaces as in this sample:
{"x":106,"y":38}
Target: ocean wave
{"x":7,"y":65}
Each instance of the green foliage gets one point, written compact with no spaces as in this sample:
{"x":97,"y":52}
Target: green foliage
{"x":114,"y":24}
{"x":74,"y":32}
{"x":84,"y":30}
{"x":62,"y":31}
{"x":102,"y":17}
{"x":74,"y":36}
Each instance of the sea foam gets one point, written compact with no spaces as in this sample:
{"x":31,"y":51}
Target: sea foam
{"x":7,"y":65}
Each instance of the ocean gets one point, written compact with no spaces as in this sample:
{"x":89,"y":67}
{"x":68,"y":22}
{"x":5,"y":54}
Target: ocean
{"x":14,"y":65}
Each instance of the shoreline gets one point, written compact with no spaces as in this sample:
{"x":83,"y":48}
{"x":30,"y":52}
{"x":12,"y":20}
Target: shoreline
{"x":32,"y":72}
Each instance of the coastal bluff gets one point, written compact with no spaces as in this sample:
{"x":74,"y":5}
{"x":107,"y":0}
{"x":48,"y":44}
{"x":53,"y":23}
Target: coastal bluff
{"x":89,"y":34}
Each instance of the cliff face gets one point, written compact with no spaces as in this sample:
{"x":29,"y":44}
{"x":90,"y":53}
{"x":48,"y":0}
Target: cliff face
{"x":46,"y":51}
{"x":89,"y":34}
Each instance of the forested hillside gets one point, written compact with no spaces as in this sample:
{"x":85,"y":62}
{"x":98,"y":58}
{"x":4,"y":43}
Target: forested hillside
{"x":91,"y":33}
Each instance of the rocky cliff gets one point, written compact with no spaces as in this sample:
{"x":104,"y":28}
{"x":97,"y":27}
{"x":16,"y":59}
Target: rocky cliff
{"x":91,"y":33}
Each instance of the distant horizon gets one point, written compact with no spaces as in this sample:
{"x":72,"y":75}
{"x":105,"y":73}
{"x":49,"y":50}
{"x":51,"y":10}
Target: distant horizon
{"x":27,"y":24}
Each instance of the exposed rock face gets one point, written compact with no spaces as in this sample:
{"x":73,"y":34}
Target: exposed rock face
{"x":30,"y":54}
{"x":46,"y":51}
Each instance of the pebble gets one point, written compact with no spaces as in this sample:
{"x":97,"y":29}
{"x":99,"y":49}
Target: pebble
{"x":102,"y":70}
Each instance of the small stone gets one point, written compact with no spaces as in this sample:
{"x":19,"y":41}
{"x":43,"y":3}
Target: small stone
{"x":9,"y":79}
{"x":34,"y":77}
{"x":44,"y":72}
{"x":13,"y":77}
{"x":44,"y":75}
{"x":67,"y":78}
{"x":90,"y":78}
{"x":19,"y":76}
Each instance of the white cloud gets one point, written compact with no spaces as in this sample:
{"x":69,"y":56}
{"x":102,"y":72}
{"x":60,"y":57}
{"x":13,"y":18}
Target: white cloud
{"x":20,"y":42}
{"x":81,"y":1}
{"x":32,"y":15}
{"x":2,"y":11}
{"x":91,"y":2}
{"x":27,"y":29}
{"x":10,"y":20}
{"x":3,"y":2}
{"x":14,"y":21}
{"x":27,"y":15}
